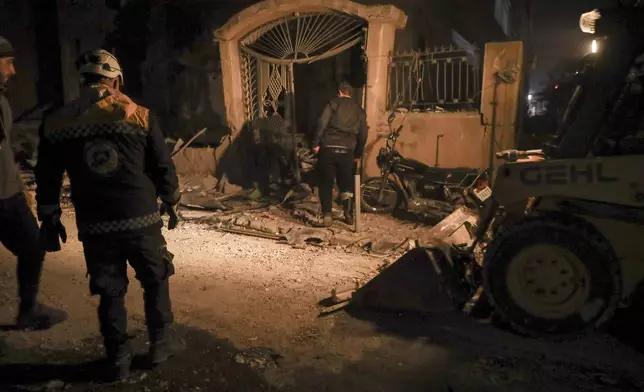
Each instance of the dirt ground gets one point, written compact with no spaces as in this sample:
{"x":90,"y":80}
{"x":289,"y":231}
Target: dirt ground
{"x":247,"y":308}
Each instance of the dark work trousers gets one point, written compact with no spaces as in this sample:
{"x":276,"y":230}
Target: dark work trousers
{"x":107,"y":260}
{"x":334,"y":164}
{"x":19,"y":233}
{"x":267,"y":164}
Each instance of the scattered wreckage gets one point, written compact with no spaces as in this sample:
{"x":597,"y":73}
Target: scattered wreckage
{"x":552,"y":262}
{"x":557,"y":247}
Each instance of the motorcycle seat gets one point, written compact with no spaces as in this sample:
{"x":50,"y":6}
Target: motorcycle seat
{"x":450,"y":176}
{"x":441,"y":175}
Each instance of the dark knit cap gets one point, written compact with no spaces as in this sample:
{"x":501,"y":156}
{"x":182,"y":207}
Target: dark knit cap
{"x":6,"y":49}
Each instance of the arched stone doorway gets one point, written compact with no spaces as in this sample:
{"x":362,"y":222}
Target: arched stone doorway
{"x":381,"y":22}
{"x":270,"y":54}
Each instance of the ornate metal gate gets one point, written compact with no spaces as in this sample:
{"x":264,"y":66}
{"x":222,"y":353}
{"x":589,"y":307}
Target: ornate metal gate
{"x":267,"y":58}
{"x":269,"y":52}
{"x":264,"y":85}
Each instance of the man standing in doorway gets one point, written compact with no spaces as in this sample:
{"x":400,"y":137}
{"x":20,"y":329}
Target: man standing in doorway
{"x":19,"y":228}
{"x":118,"y":164}
{"x":339,"y":141}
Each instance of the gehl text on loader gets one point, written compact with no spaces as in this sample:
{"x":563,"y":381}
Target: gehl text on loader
{"x":557,"y":248}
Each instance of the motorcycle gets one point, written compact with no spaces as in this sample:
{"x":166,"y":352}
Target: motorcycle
{"x":419,"y":188}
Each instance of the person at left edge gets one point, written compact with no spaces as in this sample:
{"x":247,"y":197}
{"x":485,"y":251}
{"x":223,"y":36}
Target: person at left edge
{"x":19,"y":228}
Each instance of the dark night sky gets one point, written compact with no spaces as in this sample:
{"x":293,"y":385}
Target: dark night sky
{"x":557,"y":36}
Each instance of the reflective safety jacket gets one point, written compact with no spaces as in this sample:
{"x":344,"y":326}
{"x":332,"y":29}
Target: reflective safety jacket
{"x":116,"y":159}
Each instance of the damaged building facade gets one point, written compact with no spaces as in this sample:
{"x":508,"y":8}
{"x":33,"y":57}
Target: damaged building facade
{"x":233,"y":65}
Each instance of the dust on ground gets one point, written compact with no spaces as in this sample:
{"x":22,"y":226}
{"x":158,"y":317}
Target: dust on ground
{"x":247,"y":308}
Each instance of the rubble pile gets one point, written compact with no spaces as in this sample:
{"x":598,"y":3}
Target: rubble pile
{"x":285,"y":216}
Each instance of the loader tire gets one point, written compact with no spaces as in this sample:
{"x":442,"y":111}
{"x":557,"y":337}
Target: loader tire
{"x":552,"y":277}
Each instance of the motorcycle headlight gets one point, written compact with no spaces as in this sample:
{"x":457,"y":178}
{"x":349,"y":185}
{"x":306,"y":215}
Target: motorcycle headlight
{"x":588,"y":21}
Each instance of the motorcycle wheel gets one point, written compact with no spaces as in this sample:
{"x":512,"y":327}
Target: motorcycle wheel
{"x":370,"y":200}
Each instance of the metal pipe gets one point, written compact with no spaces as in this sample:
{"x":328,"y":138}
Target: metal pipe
{"x":494,"y":103}
{"x":186,"y":144}
{"x":438,"y":137}
{"x":356,"y":198}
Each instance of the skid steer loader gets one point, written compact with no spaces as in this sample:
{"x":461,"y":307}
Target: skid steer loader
{"x":562,"y":235}
{"x":568,"y":228}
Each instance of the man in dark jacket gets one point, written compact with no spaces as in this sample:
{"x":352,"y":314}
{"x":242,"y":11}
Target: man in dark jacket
{"x":118,"y":164}
{"x":339,"y":142}
{"x":19,"y":229}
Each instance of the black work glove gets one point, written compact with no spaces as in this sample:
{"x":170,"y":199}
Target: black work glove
{"x":52,"y":230}
{"x":173,"y":213}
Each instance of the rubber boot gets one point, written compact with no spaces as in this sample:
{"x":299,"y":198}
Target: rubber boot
{"x":164,"y":344}
{"x":119,"y":360}
{"x":327,"y":221}
{"x":347,"y":205}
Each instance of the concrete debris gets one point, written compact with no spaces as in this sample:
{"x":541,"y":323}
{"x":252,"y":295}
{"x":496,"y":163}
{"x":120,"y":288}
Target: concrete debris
{"x":259,"y":358}
{"x":386,"y":246}
{"x":238,"y":195}
{"x":209,"y":182}
{"x":242,"y":221}
{"x":454,"y":228}
{"x":231,"y":189}
{"x":301,"y":193}
{"x":198,"y":215}
{"x":302,"y":235}
{"x":256,"y":225}
{"x":342,"y":239}
{"x":191,"y":188}
{"x":271,"y":227}
{"x":285,"y":229}
{"x":310,"y":207}
{"x":225,"y":219}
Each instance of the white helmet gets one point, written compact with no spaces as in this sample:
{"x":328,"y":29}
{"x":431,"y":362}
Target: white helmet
{"x":99,"y":62}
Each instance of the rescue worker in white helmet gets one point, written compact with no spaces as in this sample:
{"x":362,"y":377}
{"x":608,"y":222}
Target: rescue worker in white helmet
{"x":118,"y":164}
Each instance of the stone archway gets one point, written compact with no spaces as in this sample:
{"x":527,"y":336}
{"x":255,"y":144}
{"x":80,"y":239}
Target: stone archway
{"x":382,"y":22}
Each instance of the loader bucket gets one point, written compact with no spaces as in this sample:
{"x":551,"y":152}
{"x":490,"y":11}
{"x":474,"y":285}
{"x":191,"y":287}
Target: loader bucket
{"x":413,"y":283}
{"x":426,"y":279}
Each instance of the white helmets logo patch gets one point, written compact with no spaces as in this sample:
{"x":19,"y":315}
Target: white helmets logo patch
{"x":101,"y":157}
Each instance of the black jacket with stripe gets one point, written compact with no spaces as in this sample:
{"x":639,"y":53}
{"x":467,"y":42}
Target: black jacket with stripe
{"x":118,"y":164}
